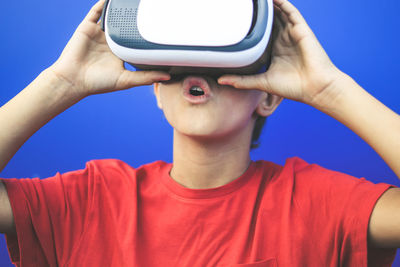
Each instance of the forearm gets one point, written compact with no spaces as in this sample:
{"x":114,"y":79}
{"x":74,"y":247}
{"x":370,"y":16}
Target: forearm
{"x":368,"y":118}
{"x":43,"y":99}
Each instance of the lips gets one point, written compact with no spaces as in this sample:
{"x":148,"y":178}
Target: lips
{"x":196,"y":90}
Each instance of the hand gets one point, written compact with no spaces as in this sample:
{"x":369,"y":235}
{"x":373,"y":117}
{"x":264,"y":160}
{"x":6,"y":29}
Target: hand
{"x":300,"y":69}
{"x":90,"y":67}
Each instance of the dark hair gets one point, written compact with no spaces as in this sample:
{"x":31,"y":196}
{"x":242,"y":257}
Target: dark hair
{"x":258,"y":126}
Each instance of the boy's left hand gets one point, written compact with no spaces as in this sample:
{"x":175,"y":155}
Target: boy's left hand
{"x":300,"y":68}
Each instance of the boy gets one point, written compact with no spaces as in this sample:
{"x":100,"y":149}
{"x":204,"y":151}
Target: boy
{"x":213,"y":206}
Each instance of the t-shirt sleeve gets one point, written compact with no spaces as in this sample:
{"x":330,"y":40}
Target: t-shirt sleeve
{"x":337,"y":208}
{"x":49,"y":216}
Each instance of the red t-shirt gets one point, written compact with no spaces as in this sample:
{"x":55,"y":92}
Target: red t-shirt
{"x":111,"y":214}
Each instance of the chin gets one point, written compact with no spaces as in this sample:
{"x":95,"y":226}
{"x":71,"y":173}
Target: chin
{"x":208,"y":122}
{"x":213,"y":130}
{"x":199,"y":130}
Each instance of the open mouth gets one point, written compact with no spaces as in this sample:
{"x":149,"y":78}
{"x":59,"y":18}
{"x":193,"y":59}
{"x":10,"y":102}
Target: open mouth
{"x":196,"y":90}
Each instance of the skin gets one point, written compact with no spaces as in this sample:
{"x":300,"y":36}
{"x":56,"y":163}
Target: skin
{"x":214,"y":142}
{"x":211,"y":146}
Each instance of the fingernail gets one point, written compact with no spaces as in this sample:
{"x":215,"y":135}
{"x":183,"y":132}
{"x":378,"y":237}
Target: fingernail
{"x":223,"y":81}
{"x":164,"y":78}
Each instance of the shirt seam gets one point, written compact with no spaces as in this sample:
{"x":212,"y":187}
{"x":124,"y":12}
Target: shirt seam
{"x":198,"y":200}
{"x":363,"y":234}
{"x":85,"y":226}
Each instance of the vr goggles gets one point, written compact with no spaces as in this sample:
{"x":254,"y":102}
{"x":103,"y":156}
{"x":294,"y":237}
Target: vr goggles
{"x":210,"y":37}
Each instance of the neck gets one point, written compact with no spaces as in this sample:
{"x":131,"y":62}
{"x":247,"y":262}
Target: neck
{"x":201,"y":164}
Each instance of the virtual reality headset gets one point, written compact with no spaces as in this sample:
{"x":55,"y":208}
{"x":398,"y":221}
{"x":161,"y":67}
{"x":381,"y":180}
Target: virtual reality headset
{"x":211,"y":37}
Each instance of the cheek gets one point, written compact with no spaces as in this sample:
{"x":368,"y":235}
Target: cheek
{"x":228,"y":111}
{"x":171,"y":104}
{"x":234,"y":109}
{"x":240,"y":102}
{"x":165,"y":98}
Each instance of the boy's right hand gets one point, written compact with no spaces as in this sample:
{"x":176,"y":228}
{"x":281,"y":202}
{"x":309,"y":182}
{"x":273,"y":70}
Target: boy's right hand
{"x":90,"y":67}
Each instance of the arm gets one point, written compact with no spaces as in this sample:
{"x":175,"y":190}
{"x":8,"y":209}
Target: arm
{"x":46,"y":97}
{"x":380,"y":128}
{"x":85,"y":67}
{"x":366,"y":116}
{"x":302,"y":71}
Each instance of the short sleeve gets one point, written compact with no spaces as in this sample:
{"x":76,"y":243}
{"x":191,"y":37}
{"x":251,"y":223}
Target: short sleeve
{"x":49,"y":215}
{"x":337,"y":208}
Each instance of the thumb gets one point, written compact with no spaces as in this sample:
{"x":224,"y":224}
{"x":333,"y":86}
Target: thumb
{"x":257,"y":81}
{"x":129,"y":79}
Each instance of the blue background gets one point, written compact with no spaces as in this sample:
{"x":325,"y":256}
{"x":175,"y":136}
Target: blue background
{"x":360,"y":36}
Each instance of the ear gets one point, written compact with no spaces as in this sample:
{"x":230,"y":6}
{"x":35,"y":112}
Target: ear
{"x":157,"y":94}
{"x":268,"y":103}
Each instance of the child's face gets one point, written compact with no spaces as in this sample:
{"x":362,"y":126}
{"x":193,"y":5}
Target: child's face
{"x":220,"y":111}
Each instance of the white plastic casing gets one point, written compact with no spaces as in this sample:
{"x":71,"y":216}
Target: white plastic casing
{"x":193,"y":58}
{"x":195,"y":23}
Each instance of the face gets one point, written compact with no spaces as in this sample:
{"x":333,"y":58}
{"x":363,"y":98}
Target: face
{"x":198,"y":106}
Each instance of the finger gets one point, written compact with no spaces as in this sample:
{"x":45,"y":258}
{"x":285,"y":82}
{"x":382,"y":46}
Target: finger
{"x":95,"y":12}
{"x":280,"y":16}
{"x":292,"y":13}
{"x":249,"y":82}
{"x":130,"y":79}
{"x":278,"y":20}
